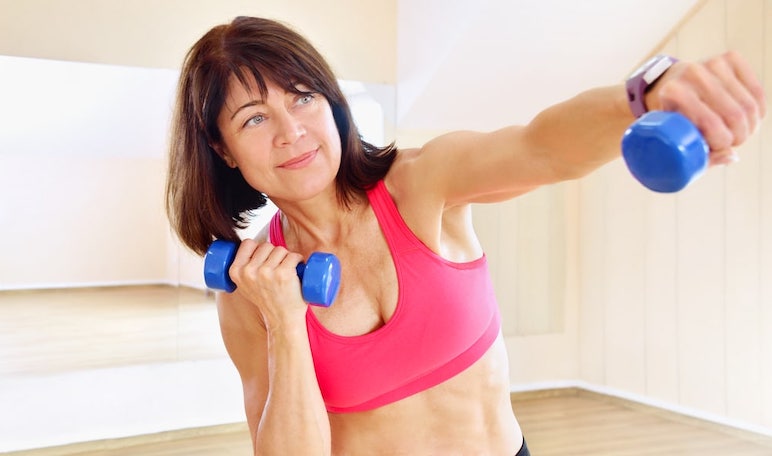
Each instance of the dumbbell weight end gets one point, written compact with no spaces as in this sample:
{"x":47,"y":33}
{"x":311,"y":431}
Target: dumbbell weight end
{"x":664,"y":151}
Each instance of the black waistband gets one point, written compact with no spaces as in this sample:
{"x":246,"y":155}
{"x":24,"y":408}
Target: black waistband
{"x":523,"y":450}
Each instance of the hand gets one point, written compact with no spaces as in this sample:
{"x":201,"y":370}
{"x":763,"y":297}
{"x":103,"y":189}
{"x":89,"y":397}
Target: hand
{"x":722,"y":97}
{"x":266,"y":275}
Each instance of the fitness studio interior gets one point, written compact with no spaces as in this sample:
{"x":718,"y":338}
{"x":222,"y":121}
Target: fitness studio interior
{"x":636,"y":323}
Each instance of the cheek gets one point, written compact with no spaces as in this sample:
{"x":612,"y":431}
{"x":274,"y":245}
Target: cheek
{"x":251,"y":158}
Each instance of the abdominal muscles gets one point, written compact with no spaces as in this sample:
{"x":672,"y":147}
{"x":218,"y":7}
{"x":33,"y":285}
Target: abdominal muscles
{"x":468,"y":414}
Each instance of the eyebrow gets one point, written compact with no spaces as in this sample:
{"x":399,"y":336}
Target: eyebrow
{"x":246,"y":105}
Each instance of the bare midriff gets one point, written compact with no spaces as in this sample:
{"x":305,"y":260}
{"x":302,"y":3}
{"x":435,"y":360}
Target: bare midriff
{"x":469,"y":414}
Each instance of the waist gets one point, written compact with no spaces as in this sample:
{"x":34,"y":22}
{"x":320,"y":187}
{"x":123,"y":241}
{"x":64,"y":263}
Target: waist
{"x":470,"y":413}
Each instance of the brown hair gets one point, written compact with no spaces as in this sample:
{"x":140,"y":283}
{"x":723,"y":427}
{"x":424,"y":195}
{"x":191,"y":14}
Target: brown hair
{"x":206,"y":199}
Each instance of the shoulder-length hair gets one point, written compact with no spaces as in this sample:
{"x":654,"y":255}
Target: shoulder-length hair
{"x":206,"y":199}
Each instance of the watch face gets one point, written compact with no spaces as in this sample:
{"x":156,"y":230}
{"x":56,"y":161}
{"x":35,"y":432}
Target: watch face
{"x":661,"y":64}
{"x":640,"y":81}
{"x":645,"y":66}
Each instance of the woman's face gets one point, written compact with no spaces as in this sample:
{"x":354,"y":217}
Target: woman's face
{"x":286,"y":146}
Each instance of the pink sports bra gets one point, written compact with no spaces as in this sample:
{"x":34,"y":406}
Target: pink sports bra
{"x":446,"y":318}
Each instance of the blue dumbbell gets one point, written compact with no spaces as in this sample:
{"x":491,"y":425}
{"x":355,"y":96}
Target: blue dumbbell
{"x":664,"y":151}
{"x":319,"y":277}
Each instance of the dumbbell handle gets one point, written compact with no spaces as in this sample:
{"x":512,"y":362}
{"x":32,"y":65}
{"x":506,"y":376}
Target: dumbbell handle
{"x":319,"y":277}
{"x":664,"y":151}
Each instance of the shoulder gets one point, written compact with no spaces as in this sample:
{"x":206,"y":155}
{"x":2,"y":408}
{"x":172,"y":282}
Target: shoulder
{"x":430,"y":169}
{"x":409,"y":180}
{"x":427,"y":172}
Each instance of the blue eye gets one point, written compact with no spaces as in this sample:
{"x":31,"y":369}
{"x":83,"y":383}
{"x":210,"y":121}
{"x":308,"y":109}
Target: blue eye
{"x":254,"y":120}
{"x":306,"y":98}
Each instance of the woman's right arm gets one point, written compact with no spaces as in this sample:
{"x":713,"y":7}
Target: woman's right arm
{"x":284,"y":406}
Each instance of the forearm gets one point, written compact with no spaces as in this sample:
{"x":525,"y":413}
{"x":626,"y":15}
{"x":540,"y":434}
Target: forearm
{"x":583,"y":133}
{"x":294,"y":420}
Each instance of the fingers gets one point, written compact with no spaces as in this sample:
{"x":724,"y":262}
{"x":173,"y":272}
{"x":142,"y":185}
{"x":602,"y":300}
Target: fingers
{"x":721,"y":96}
{"x":741,"y":108}
{"x":744,"y":72}
{"x":263,"y":264}
{"x":682,"y":97}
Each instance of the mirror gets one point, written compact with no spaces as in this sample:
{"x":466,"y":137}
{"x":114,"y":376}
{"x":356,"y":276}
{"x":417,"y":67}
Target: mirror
{"x":106,"y":328}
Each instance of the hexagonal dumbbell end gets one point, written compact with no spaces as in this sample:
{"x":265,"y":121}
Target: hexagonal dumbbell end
{"x":217,"y":261}
{"x":320,"y":278}
{"x":664,"y":151}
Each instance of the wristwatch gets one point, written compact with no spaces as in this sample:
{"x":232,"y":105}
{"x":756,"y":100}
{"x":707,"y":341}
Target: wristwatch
{"x":643,"y":78}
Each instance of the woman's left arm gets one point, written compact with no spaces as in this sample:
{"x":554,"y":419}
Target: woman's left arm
{"x":721,"y":96}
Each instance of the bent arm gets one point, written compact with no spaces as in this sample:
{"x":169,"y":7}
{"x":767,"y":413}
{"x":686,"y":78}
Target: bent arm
{"x":284,"y":406}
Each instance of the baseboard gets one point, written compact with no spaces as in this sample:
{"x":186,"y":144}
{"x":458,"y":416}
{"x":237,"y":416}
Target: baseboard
{"x":126,"y":442}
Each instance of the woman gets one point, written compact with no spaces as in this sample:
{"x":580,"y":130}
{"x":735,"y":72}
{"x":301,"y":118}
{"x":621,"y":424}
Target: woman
{"x":409,"y":359}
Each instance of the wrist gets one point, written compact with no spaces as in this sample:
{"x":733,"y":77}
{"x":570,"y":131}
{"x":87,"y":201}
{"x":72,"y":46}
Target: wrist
{"x":288,"y":325}
{"x":287,"y":333}
{"x":640,"y":82}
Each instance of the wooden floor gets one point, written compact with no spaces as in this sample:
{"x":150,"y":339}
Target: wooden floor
{"x":53,"y":331}
{"x":40,"y":332}
{"x":578,"y":422}
{"x":562,"y":423}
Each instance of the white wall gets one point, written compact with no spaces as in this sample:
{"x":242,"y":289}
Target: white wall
{"x":81,"y":166}
{"x":676,"y":301}
{"x":483,"y":64}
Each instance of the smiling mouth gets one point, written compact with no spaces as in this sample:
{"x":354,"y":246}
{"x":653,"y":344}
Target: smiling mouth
{"x":300,"y":161}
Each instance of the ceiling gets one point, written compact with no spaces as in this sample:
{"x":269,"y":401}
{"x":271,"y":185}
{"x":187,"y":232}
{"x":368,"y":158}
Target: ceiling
{"x":480,"y":64}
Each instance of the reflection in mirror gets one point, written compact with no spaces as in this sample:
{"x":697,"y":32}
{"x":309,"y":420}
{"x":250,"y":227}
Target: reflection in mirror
{"x":106,"y":329}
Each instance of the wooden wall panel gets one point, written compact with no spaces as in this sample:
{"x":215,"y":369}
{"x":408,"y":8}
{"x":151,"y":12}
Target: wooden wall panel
{"x":765,"y":170}
{"x":704,"y":267}
{"x":744,"y":30}
{"x":591,"y":277}
{"x":660,"y":290}
{"x":624,"y":248}
{"x":700,"y":237}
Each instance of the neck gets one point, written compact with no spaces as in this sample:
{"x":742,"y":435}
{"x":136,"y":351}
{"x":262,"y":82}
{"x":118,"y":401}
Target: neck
{"x":321,"y":224}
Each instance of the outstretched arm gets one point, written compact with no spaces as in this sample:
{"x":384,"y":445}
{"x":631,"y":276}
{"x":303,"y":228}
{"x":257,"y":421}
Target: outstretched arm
{"x":721,"y":96}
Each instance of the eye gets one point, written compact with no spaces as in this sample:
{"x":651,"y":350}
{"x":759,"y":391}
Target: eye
{"x":306,"y":98}
{"x":255,"y":120}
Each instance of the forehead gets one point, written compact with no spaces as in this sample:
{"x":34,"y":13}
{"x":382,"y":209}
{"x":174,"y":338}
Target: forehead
{"x":247,"y":89}
{"x":247,"y":85}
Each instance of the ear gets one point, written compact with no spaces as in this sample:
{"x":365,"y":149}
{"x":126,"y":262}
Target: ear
{"x":222,"y":151}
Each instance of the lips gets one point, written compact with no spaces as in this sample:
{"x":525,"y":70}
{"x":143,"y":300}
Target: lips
{"x":300,"y":161}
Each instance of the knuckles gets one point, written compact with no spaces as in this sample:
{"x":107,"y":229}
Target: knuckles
{"x":719,"y":95}
{"x":267,"y":264}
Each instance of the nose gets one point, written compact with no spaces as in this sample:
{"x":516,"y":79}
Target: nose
{"x":289,"y":129}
